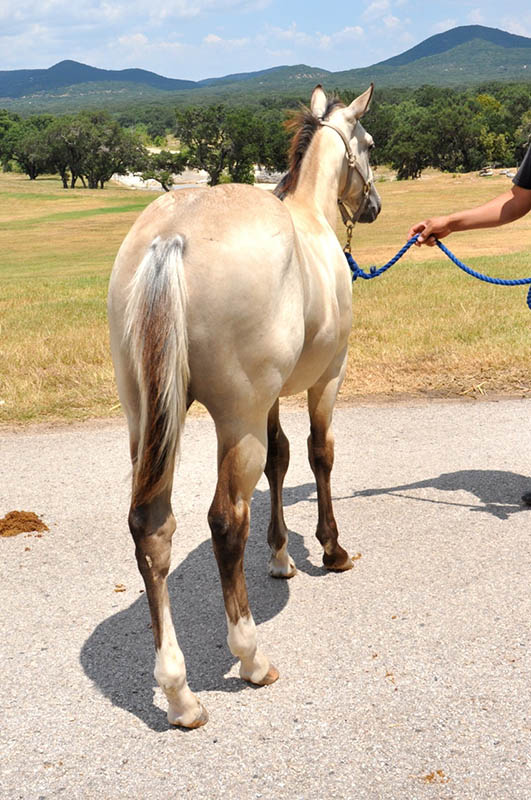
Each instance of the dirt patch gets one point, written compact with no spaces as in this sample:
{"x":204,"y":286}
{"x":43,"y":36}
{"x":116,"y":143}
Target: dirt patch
{"x":16,"y":522}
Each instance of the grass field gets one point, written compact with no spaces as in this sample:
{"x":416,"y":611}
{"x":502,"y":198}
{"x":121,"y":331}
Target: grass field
{"x":424,"y":328}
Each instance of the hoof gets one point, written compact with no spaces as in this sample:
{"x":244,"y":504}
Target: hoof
{"x":182,"y":722}
{"x":270,"y":677}
{"x":338,"y":562}
{"x":282,"y":569}
{"x":526,"y":499}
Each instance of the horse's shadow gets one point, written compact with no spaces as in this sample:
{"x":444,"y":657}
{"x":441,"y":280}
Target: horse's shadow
{"x":499,"y":491}
{"x":119,"y":655}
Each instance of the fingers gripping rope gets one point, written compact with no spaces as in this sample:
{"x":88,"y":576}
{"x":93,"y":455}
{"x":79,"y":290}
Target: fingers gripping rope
{"x":357,"y":272}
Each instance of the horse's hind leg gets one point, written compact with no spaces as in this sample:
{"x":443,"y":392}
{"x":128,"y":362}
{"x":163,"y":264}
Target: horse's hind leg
{"x":152,"y":525}
{"x":321,"y":399}
{"x":241,"y":461}
{"x":281,"y":564}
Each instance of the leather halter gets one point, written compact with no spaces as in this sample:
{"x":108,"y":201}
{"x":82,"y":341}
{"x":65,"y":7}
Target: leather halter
{"x":350,"y":217}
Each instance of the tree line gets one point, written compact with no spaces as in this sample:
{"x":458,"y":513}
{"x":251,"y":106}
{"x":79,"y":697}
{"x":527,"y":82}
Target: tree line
{"x":455,"y":131}
{"x":91,"y":146}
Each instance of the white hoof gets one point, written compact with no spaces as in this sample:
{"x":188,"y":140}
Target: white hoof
{"x":265,"y":680}
{"x":282,"y":566}
{"x":189,"y":719}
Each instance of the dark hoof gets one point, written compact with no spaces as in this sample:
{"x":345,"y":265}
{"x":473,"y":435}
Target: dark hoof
{"x":338,"y":562}
{"x":526,"y":499}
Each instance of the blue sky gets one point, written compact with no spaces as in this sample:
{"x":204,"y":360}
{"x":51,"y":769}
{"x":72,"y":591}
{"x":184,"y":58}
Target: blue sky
{"x":197,"y":39}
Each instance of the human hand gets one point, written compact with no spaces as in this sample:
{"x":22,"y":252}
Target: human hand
{"x":430,"y":230}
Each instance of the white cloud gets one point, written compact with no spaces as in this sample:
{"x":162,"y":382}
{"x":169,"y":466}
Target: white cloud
{"x":213,"y":39}
{"x":444,"y":25}
{"x":347,"y":34}
{"x":65,"y":12}
{"x":521,"y":26}
{"x":375,"y":10}
{"x":391,"y":22}
{"x":293,"y":34}
{"x":134,"y":40}
{"x":475,"y":17}
{"x":407,"y":38}
{"x":343,"y":37}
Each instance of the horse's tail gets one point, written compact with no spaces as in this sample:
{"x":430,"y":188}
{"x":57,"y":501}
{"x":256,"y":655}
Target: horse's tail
{"x":157,"y":338}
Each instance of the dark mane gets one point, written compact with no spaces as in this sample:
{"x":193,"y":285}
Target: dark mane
{"x":303,"y":124}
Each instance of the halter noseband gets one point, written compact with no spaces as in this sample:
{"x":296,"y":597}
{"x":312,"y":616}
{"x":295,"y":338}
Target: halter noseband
{"x":350,"y":218}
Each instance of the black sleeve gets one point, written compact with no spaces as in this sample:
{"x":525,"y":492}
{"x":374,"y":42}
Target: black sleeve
{"x":523,"y":176}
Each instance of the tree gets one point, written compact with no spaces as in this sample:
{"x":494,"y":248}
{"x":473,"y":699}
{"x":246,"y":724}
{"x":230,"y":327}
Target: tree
{"x":458,"y":131}
{"x":243,"y":134}
{"x":25,"y":141}
{"x":381,"y":125}
{"x":59,"y":152}
{"x":7,"y":120}
{"x":234,"y":140}
{"x":273,"y":140}
{"x":163,"y":166}
{"x":203,"y":131}
{"x":70,"y":131}
{"x":107,"y":148}
{"x":413,"y":143}
{"x":523,"y":134}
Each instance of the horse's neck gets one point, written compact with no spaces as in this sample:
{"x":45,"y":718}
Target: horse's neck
{"x":318,"y":184}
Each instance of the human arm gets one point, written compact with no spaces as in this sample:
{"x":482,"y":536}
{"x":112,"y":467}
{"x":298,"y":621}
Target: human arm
{"x":507,"y":207}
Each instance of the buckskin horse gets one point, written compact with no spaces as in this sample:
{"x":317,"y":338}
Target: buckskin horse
{"x":234,"y":297}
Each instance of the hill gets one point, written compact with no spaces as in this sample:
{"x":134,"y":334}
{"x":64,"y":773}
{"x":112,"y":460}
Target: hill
{"x":17,"y":83}
{"x":464,"y":56}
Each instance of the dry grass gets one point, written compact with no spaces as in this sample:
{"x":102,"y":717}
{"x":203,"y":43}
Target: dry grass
{"x":426,"y":328}
{"x":57,"y":251}
{"x":423,"y":328}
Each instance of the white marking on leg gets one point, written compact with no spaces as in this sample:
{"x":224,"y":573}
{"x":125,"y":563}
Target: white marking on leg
{"x":281,"y":564}
{"x":242,"y":643}
{"x":170,"y":673}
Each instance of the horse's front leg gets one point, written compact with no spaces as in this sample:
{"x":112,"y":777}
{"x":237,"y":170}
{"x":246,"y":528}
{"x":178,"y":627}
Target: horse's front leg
{"x":281,"y":565}
{"x":241,"y":460}
{"x":321,"y":399}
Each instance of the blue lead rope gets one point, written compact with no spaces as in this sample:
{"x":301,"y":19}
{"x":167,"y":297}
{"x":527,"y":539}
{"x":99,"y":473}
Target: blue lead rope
{"x":357,"y":272}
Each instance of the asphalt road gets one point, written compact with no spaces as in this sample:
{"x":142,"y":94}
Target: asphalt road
{"x":408,"y":677}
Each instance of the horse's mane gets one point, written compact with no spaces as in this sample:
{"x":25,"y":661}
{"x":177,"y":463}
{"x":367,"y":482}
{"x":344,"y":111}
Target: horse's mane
{"x":302,"y":125}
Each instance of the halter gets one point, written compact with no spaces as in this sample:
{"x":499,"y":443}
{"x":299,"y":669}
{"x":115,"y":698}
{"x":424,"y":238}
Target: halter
{"x":349,"y":217}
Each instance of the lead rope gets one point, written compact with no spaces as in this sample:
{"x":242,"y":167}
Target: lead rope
{"x":374,"y":272}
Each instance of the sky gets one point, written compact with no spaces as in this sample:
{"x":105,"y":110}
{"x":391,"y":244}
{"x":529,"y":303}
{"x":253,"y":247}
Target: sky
{"x":196,"y":39}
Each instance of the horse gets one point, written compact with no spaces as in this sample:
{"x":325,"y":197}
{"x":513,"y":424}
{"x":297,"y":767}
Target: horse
{"x":233,"y":296}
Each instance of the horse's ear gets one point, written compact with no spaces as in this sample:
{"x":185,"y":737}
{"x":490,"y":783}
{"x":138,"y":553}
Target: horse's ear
{"x":318,"y":102}
{"x":361,"y":104}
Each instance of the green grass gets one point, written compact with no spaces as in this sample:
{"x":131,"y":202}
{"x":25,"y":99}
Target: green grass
{"x":53,"y":337}
{"x":423,"y":329}
{"x":427,"y":328}
{"x":69,"y":216}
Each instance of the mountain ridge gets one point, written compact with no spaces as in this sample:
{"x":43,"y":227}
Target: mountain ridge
{"x":460,"y":56}
{"x":442,"y":42}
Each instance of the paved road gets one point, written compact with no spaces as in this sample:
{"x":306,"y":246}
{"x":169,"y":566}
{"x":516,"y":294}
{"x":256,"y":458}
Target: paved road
{"x":408,"y":677}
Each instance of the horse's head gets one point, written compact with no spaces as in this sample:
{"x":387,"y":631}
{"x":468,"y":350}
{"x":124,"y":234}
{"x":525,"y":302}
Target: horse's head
{"x":356,"y":186}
